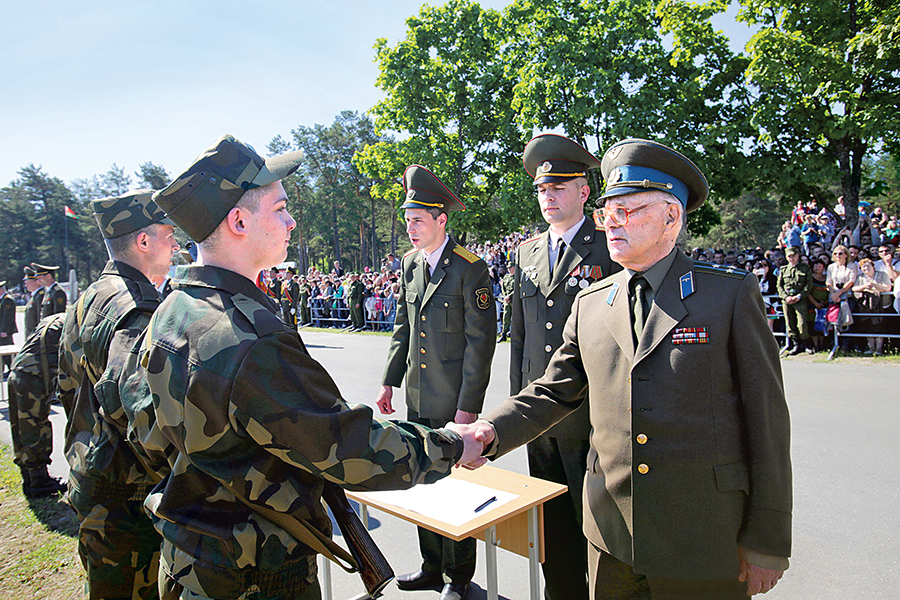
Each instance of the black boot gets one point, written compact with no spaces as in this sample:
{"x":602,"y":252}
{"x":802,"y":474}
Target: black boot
{"x":26,"y":481}
{"x":41,"y":485}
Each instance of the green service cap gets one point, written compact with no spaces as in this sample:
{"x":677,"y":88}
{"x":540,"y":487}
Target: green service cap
{"x":201,"y":197}
{"x":791,"y":250}
{"x":550,"y":157}
{"x":28,"y":273}
{"x":425,"y":190}
{"x":633,"y":165}
{"x":120,"y":215}
{"x":43,"y":269}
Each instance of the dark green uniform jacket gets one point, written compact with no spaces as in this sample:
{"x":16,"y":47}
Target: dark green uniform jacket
{"x":444,"y":335}
{"x":690,"y":449}
{"x":54,"y":301}
{"x":7,"y":319}
{"x":236,"y":405}
{"x":541,"y":304}
{"x":33,"y":311}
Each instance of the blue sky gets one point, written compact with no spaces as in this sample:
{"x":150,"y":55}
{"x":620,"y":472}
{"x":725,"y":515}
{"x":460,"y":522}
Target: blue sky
{"x":89,"y":84}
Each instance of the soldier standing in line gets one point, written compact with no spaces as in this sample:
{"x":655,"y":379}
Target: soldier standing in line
{"x":54,"y":299}
{"x":250,"y":426}
{"x":553,"y":267}
{"x":8,"y":326}
{"x":507,"y":287}
{"x":31,"y":386}
{"x":794,"y":282}
{"x":108,"y":482}
{"x":443,"y":342}
{"x":274,"y":289}
{"x":33,"y":307}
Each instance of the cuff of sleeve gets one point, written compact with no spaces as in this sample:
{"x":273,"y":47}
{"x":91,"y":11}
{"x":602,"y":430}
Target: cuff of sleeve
{"x":490,"y":451}
{"x":452,"y":444}
{"x":766,"y":561}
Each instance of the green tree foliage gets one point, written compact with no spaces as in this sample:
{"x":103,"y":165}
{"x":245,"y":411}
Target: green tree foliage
{"x":827,"y":75}
{"x":154,"y":177}
{"x":749,"y":221}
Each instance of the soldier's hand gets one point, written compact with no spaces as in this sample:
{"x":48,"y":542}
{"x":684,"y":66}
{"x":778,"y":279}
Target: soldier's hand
{"x":384,"y":400}
{"x":759,"y":580}
{"x":464,"y":418}
{"x":476,"y":437}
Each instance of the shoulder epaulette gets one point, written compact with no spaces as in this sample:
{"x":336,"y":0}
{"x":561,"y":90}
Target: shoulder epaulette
{"x":598,"y":285}
{"x":725,"y":271}
{"x":410,"y":252}
{"x":531,"y":239}
{"x":465,"y":254}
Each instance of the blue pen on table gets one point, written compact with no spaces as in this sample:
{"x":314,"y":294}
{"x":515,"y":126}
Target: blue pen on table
{"x":483,"y":506}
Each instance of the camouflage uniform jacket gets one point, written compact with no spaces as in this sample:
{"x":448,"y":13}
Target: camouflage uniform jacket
{"x":39,"y":356}
{"x":245,"y":417}
{"x":54,"y":301}
{"x":101,"y":328}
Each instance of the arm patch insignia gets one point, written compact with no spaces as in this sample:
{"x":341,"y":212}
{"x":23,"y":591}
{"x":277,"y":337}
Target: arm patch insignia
{"x":483,"y":298}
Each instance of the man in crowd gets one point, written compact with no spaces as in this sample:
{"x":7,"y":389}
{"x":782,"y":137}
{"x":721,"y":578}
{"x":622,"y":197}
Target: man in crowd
{"x":553,"y":268}
{"x":794,"y":282}
{"x":8,"y":326}
{"x":355,"y":298}
{"x":107,"y":482}
{"x":54,"y":298}
{"x":36,"y":296}
{"x":688,"y":488}
{"x":31,"y":386}
{"x":249,"y":426}
{"x":443,"y":342}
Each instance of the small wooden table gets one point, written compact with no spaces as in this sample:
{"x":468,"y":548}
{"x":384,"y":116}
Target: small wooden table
{"x":517,"y":526}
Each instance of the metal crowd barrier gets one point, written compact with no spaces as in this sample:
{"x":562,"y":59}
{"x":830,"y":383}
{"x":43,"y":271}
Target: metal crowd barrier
{"x":324,"y":313}
{"x":838,"y":334}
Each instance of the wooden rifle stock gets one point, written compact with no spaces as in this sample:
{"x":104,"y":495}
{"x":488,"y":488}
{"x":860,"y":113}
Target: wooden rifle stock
{"x":373,"y":566}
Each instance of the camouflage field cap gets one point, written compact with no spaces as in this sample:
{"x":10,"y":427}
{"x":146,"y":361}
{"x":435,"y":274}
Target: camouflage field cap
{"x":201,"y":197}
{"x":425,"y":190}
{"x":28,"y":273}
{"x":121,"y":215}
{"x":550,"y":158}
{"x":636,"y":165}
{"x":43,"y":269}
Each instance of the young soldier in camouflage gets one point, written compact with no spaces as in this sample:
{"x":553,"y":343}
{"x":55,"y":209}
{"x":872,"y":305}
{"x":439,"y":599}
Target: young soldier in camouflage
{"x":248,"y":424}
{"x":107,"y":482}
{"x":31,"y":385}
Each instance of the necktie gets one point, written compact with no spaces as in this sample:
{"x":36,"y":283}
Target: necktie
{"x":639,"y":305}
{"x":560,"y":250}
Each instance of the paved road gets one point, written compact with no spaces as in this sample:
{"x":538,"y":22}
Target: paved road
{"x":845,"y":419}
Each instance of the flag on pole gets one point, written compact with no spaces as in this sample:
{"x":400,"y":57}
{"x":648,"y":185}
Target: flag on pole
{"x":71,"y":213}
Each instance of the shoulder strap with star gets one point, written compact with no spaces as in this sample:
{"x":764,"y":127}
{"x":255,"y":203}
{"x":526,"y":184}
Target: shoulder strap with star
{"x":466,"y":255}
{"x":722,"y":271}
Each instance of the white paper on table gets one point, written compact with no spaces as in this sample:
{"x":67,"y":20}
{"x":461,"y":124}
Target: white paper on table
{"x":452,"y":501}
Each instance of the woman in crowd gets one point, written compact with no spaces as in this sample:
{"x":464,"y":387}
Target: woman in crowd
{"x":840,"y":279}
{"x":818,"y":303}
{"x":867,"y":289}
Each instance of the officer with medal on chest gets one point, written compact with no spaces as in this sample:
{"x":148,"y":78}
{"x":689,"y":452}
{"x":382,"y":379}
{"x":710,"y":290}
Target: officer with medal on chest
{"x":552,"y":268}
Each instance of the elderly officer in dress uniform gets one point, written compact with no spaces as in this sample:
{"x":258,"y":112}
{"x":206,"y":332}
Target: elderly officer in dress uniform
{"x":33,"y":306}
{"x":443,"y":343}
{"x":553,"y":268}
{"x":688,"y":488}
{"x":245,"y":424}
{"x":118,"y":545}
{"x":8,"y":326}
{"x":31,"y":386}
{"x":54,"y":299}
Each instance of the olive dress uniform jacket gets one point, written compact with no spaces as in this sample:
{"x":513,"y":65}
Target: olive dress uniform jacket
{"x":54,"y":301}
{"x":33,"y":311}
{"x":541,"y":304}
{"x":7,"y":319}
{"x":444,"y":334}
{"x":690,"y":451}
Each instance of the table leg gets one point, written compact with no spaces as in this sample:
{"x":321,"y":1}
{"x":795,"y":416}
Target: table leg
{"x":534,"y":557}
{"x":364,"y":515}
{"x":325,"y":572}
{"x":490,"y":544}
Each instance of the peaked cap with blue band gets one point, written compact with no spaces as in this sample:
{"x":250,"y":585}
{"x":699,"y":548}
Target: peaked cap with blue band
{"x":201,"y":197}
{"x":425,"y":190}
{"x":634,"y":165}
{"x":550,"y":158}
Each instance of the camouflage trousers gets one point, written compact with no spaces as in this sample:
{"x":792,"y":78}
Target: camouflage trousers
{"x":294,"y":580}
{"x":119,"y":549}
{"x":29,"y":420}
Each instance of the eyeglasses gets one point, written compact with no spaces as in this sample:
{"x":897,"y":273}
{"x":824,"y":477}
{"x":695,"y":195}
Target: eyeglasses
{"x":838,"y":253}
{"x":619,"y":215}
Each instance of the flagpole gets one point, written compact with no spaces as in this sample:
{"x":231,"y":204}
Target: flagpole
{"x":66,"y":221}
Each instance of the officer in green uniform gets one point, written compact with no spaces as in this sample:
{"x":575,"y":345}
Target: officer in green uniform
{"x":443,"y":342}
{"x":33,"y":307}
{"x":8,"y":326}
{"x":108,"y":482}
{"x":688,"y":487}
{"x":54,"y":299}
{"x":794,"y":282}
{"x":304,"y":291}
{"x":355,"y":298}
{"x":553,"y":267}
{"x":31,"y":386}
{"x":290,"y":289}
{"x":507,"y":286}
{"x":247,"y":423}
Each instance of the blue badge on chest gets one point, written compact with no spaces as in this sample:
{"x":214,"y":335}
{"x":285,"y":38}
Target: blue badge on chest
{"x":687,"y":284}
{"x":612,"y":293}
